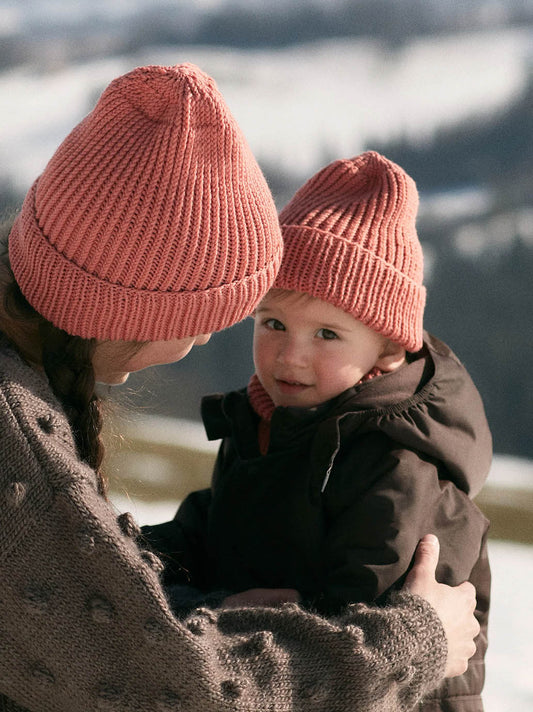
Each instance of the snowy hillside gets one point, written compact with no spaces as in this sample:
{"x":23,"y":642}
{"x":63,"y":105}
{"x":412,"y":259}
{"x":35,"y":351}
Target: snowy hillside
{"x":293,"y":104}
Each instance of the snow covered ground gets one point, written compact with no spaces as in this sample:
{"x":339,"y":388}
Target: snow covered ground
{"x":509,"y":686}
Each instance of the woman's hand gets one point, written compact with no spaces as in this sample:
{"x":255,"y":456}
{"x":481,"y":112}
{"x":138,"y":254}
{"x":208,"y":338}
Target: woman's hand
{"x":454,"y":605}
{"x":261,"y":597}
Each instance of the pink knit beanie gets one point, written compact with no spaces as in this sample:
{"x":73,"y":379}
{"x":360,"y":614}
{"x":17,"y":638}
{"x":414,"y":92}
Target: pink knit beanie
{"x":152,"y":221}
{"x":350,"y":239}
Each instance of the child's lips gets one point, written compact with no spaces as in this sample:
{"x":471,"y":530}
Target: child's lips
{"x":289,"y":386}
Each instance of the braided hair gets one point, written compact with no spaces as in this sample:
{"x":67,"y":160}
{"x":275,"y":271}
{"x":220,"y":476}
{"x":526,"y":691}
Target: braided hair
{"x":67,"y":362}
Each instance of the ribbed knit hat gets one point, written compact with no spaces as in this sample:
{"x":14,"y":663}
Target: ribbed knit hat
{"x":350,"y":239}
{"x":152,"y":220}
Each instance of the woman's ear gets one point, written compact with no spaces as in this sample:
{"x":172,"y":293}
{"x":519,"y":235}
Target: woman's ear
{"x":391,"y":357}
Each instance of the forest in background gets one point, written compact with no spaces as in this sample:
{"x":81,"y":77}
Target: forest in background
{"x":480,"y":298}
{"x":52,"y":30}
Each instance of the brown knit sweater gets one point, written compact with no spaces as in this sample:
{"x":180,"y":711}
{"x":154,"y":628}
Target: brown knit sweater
{"x":84,"y":623}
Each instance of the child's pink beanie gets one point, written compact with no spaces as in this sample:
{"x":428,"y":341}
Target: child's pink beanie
{"x":350,"y":239}
{"x":152,"y":221}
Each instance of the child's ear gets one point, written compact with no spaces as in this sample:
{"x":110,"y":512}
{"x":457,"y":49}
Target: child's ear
{"x":391,"y":357}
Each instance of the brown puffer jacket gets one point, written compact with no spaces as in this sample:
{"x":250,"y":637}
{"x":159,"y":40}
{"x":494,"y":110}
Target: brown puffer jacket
{"x":336,"y":507}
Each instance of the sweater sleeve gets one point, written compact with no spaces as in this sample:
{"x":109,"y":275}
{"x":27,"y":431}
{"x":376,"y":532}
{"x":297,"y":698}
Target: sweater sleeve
{"x":85,"y":625}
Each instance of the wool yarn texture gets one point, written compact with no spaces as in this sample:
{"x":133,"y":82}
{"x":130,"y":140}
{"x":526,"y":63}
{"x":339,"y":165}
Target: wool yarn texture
{"x":152,"y":220}
{"x":350,"y":239}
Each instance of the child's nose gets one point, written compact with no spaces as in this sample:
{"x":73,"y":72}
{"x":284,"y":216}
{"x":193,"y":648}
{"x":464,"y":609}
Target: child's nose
{"x":292,"y":353}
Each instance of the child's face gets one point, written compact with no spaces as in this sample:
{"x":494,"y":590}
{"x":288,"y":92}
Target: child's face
{"x":307,"y":351}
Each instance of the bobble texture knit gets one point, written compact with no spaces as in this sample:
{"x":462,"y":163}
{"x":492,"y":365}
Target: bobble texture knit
{"x":84,"y":624}
{"x":350,"y":239}
{"x":153,"y":213}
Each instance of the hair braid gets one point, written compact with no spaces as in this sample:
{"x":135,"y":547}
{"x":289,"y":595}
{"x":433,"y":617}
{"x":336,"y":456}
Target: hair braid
{"x":67,"y":362}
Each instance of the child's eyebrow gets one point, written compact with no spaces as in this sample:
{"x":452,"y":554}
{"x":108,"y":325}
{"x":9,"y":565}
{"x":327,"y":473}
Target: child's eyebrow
{"x":331,"y":326}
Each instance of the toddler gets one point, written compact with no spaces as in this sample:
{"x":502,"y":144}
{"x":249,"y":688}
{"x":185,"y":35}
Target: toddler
{"x":358,"y":433}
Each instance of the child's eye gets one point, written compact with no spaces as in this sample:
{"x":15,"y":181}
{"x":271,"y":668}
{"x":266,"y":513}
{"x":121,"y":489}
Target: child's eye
{"x":274,"y":324}
{"x":326,"y":334}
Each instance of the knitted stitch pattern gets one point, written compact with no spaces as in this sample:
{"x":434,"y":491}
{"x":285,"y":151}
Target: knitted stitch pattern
{"x":350,"y":239}
{"x":152,"y":220}
{"x":84,"y":624}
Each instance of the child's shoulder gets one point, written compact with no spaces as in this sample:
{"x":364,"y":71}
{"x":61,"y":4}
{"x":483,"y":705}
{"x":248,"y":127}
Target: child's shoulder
{"x":440,"y":351}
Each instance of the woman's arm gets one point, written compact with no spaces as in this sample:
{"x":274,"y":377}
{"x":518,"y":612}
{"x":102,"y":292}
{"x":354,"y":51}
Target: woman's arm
{"x":84,"y":622}
{"x":454,"y":606}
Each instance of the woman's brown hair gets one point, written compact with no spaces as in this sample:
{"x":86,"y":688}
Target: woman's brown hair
{"x":66,"y":360}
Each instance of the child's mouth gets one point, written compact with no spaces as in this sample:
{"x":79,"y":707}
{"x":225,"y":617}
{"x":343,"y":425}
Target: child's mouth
{"x":289,"y":387}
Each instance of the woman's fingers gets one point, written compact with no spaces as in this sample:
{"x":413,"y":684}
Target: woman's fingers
{"x":454,"y":605}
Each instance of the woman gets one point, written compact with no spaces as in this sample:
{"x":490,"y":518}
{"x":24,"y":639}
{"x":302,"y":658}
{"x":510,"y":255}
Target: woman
{"x":151,"y":227}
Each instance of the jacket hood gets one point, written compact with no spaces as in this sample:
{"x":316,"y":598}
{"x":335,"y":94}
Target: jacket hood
{"x":431,"y":405}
